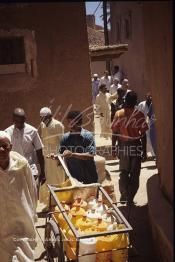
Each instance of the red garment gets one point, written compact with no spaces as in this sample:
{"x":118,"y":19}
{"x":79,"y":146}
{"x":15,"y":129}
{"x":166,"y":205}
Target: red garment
{"x":129,"y":123}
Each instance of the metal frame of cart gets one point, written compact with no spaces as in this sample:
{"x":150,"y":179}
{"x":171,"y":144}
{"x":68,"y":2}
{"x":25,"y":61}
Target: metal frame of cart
{"x":52,"y":224}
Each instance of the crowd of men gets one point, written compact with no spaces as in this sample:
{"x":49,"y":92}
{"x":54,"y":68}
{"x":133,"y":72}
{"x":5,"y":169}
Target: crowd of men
{"x":130,"y":124}
{"x":28,"y":162}
{"x":108,"y":96}
{"x":29,"y":157}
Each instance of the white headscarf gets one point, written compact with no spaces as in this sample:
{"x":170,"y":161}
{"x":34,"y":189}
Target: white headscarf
{"x":4,"y":134}
{"x":45,"y":111}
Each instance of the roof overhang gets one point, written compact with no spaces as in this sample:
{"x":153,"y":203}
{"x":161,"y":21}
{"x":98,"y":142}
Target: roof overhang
{"x":104,"y":53}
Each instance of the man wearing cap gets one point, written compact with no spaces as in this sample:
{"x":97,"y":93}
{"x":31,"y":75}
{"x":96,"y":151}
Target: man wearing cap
{"x":26,"y":141}
{"x":51,"y":133}
{"x":95,"y":87}
{"x":18,"y":200}
{"x":103,"y":104}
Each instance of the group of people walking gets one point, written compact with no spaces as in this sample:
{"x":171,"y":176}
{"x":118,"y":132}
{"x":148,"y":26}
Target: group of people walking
{"x":130,"y":124}
{"x":28,"y":162}
{"x":29,"y":158}
{"x":108,"y":93}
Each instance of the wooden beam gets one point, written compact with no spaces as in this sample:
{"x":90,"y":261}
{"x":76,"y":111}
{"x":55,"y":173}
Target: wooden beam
{"x":105,"y":57}
{"x":107,"y":53}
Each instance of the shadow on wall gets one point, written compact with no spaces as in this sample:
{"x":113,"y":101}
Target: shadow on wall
{"x":141,"y":236}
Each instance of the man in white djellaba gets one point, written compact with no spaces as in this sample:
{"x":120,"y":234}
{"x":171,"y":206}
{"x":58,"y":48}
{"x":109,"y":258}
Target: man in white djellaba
{"x":106,"y":80}
{"x":18,"y":198}
{"x":103,"y":105}
{"x":52,"y":131}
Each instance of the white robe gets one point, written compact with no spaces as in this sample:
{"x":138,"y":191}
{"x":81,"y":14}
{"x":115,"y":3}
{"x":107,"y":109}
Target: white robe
{"x":103,"y":105}
{"x":51,"y":137}
{"x":18,"y":198}
{"x":113,"y":88}
{"x":142,"y":106}
{"x":106,"y":81}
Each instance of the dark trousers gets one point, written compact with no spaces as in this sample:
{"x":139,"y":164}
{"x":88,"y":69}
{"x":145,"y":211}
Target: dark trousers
{"x":113,"y":110}
{"x":130,"y":166}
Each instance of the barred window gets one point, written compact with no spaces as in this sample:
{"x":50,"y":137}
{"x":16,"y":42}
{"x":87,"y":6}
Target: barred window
{"x":12,"y":50}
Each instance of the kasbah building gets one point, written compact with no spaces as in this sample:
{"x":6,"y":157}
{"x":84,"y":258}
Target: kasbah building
{"x":49,"y":65}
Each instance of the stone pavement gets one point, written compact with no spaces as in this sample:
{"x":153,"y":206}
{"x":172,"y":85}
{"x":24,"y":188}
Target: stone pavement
{"x":137,"y":216}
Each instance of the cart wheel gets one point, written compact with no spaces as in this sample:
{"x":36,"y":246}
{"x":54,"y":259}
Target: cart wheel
{"x":53,"y":242}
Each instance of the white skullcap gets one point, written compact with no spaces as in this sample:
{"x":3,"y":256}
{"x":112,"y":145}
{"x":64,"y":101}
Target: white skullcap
{"x":125,"y":80}
{"x":95,"y":75}
{"x":116,"y":78}
{"x":45,"y":111}
{"x":4,"y":134}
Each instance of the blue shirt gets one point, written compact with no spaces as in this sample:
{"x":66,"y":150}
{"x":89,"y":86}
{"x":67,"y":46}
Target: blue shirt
{"x":83,"y":142}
